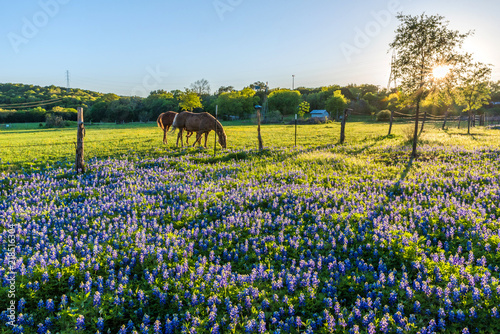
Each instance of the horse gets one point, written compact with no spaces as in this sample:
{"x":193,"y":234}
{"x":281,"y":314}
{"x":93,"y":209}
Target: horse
{"x":164,"y":122}
{"x":201,"y":123}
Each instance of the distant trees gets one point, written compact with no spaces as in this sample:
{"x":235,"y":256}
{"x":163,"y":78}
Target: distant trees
{"x":201,"y":87}
{"x":189,"y":100}
{"x":336,"y":103}
{"x":473,"y":90}
{"x":284,"y":100}
{"x":237,"y":103}
{"x":29,"y":103}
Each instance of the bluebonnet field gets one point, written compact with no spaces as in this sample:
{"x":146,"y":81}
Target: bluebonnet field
{"x":329,"y":239}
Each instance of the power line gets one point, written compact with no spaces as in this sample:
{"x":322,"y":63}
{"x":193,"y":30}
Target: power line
{"x":12,"y":105}
{"x":28,"y":104}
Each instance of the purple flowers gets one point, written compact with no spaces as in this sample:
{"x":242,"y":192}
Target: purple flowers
{"x":80,"y":323}
{"x":292,"y":247}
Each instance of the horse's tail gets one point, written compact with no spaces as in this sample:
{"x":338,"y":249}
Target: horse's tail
{"x":159,"y":121}
{"x":175,"y":124}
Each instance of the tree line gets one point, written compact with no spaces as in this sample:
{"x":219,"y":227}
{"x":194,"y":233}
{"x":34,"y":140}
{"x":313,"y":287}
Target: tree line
{"x":29,"y":103}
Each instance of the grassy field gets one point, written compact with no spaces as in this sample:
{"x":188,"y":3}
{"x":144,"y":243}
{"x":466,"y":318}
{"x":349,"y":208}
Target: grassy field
{"x":320,"y":238}
{"x":27,"y":146}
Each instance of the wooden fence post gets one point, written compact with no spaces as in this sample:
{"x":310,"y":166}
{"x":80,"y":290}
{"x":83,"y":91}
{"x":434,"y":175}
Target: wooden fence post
{"x":79,"y":165}
{"x":295,"y":129}
{"x":342,"y":127}
{"x":215,"y":129}
{"x":258,"y":130}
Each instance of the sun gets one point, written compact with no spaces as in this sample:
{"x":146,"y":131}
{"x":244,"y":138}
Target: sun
{"x":439,"y":72}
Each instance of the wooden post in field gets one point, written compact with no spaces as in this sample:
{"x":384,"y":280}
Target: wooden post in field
{"x":215,"y":130}
{"x":257,"y":107}
{"x":390,"y":122}
{"x":342,"y":127}
{"x":295,"y":129}
{"x":79,"y":165}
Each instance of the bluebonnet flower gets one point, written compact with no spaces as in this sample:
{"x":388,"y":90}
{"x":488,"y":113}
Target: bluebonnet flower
{"x":97,"y":299}
{"x":100,"y":324}
{"x":80,"y":323}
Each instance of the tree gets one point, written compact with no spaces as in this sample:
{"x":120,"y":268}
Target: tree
{"x":259,"y":86}
{"x":421,"y":43}
{"x":444,"y":92}
{"x":201,"y":87}
{"x":237,"y":103}
{"x":473,"y":91}
{"x":495,"y":91}
{"x":189,"y":100}
{"x":284,"y":100}
{"x":225,"y":89}
{"x":303,"y":108}
{"x":157,"y":102}
{"x":336,"y":103}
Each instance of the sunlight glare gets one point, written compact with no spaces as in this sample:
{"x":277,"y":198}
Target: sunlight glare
{"x":439,"y":72}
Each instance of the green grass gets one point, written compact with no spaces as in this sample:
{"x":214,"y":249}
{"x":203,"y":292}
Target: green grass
{"x":28,"y":146}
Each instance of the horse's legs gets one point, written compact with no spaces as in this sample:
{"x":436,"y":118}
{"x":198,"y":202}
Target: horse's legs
{"x":179,"y":136}
{"x":206,"y":137}
{"x":165,"y":134}
{"x":188,"y":134}
{"x":198,"y":138}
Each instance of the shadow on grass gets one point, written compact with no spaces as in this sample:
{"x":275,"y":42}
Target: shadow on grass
{"x":396,"y":188}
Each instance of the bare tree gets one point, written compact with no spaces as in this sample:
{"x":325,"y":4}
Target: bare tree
{"x":201,"y":87}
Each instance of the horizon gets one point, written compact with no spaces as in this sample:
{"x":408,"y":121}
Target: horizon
{"x":133,"y":48}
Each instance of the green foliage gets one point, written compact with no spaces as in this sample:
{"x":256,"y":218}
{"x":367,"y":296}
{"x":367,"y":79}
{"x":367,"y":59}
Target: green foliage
{"x":284,"y":100}
{"x":189,"y":100}
{"x":421,"y":43}
{"x":54,"y":121}
{"x":304,"y":108}
{"x":274,"y":116}
{"x":237,"y":103}
{"x":474,"y":90}
{"x":336,"y":103}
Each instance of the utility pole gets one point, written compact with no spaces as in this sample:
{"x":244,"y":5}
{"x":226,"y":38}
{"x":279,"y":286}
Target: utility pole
{"x":293,"y":81}
{"x":67,"y":81}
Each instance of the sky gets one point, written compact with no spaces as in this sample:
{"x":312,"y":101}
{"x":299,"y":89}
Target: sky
{"x":133,"y":47}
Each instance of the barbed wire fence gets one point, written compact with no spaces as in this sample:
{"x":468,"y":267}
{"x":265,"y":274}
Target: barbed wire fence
{"x":92,"y":145}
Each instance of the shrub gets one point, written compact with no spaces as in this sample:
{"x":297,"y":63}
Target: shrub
{"x":54,"y":121}
{"x":383,"y":115}
{"x":408,"y":132}
{"x":274,"y":116}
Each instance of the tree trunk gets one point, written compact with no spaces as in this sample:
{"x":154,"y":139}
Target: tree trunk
{"x":445,"y":118}
{"x":468,"y":124}
{"x":415,"y":133}
{"x":390,"y":123}
{"x":423,"y":122}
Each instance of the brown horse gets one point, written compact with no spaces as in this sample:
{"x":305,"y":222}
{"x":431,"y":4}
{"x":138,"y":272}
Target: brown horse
{"x":201,"y":123}
{"x":165,"y":120}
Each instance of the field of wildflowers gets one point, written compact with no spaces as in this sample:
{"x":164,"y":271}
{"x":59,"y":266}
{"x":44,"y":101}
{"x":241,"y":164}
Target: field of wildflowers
{"x":328,"y":239}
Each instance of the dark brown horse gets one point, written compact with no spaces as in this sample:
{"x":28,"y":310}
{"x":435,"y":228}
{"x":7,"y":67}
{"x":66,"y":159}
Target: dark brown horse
{"x":201,"y":123}
{"x":165,"y":120}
